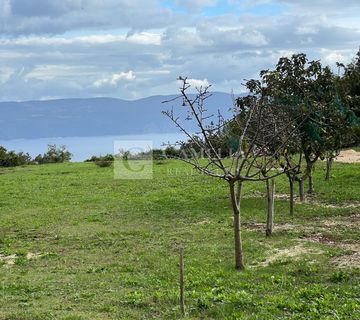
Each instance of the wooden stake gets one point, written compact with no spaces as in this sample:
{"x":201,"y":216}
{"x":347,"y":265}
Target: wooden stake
{"x":182,"y":291}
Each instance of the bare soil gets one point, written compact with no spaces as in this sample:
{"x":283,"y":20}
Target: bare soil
{"x":348,"y":156}
{"x":11,"y":259}
{"x":293,"y":252}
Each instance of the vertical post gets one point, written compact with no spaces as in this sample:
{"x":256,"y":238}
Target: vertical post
{"x":182,"y":291}
{"x":270,"y":207}
{"x":291,"y":183}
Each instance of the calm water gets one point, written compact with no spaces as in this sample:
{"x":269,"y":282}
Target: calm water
{"x":83,"y":148}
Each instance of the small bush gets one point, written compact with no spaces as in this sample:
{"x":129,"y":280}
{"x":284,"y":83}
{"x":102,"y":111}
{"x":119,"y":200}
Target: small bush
{"x":102,"y":161}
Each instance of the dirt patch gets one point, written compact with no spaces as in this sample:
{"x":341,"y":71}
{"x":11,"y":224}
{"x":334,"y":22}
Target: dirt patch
{"x":349,"y":205}
{"x":348,"y":156}
{"x":8,"y":260}
{"x":11,"y":259}
{"x":293,"y":252}
{"x":309,"y":200}
{"x":277,"y":227}
{"x":206,"y":221}
{"x":349,"y":260}
{"x":350,"y":222}
{"x":319,"y":238}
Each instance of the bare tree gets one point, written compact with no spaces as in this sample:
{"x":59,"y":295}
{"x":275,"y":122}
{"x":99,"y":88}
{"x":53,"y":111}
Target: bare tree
{"x":261,"y":142}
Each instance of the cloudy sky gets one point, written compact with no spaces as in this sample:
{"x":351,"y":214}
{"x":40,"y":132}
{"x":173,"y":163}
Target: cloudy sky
{"x":137,"y":48}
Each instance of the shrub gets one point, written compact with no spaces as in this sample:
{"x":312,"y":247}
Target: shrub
{"x":102,"y":161}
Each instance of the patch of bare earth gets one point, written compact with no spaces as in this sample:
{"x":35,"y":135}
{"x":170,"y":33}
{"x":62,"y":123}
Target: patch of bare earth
{"x":11,"y":259}
{"x":203,"y":222}
{"x":284,"y":254}
{"x":309,"y":200}
{"x":348,"y":156}
{"x":277,"y":226}
{"x":350,"y":222}
{"x":352,"y":257}
{"x":349,"y":260}
{"x":313,"y":233}
{"x":350,"y":205}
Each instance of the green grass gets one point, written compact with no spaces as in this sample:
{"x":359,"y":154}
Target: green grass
{"x":109,"y":248}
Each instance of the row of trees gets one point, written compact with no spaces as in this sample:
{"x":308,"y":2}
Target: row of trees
{"x":13,"y":159}
{"x":291,"y":117}
{"x":54,"y":154}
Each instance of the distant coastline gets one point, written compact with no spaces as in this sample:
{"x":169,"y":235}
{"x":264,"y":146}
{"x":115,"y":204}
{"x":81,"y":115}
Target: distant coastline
{"x":83,"y":148}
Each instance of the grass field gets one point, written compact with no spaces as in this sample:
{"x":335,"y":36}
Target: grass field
{"x":77,"y":244}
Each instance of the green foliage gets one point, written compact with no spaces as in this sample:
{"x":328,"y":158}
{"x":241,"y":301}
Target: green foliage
{"x":107,"y":157}
{"x":54,"y":155}
{"x":349,"y":87}
{"x":102,"y":161}
{"x":340,"y":276}
{"x":307,"y":91}
{"x":13,"y":159}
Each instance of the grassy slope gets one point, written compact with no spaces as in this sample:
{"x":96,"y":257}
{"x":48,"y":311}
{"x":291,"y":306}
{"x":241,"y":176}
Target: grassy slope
{"x":109,"y":247}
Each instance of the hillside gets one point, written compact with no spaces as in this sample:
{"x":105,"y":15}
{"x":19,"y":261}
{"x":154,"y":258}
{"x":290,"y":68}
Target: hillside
{"x":93,"y":117}
{"x":77,"y":244}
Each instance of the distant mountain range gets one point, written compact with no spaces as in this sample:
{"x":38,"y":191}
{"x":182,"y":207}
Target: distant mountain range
{"x":95,"y":116}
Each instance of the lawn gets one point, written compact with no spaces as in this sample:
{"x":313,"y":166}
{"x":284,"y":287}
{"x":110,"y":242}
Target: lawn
{"x":77,"y":244}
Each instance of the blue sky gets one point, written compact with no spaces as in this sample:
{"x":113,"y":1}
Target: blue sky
{"x":136,"y":48}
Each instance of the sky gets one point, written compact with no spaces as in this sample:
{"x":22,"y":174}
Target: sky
{"x":131,"y":49}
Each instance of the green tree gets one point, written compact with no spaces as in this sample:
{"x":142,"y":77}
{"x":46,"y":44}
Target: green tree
{"x":298,"y":86}
{"x":54,"y":154}
{"x":349,"y":87}
{"x":13,"y":159}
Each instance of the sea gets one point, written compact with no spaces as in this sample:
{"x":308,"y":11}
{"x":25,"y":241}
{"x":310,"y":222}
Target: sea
{"x":82,"y":148}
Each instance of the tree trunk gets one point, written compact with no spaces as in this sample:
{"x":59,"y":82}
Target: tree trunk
{"x":291,"y":184}
{"x":235,"y":202}
{"x":329,"y":162}
{"x":270,"y":188}
{"x":301,"y":190}
{"x":311,"y":183}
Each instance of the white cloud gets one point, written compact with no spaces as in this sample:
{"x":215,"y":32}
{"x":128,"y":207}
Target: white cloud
{"x":306,"y":30}
{"x":49,"y":72}
{"x":330,"y":57}
{"x":5,"y":74}
{"x":25,"y":17}
{"x":143,"y":38}
{"x":75,"y":48}
{"x":334,"y":57}
{"x":115,"y":78}
{"x":198,"y":83}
